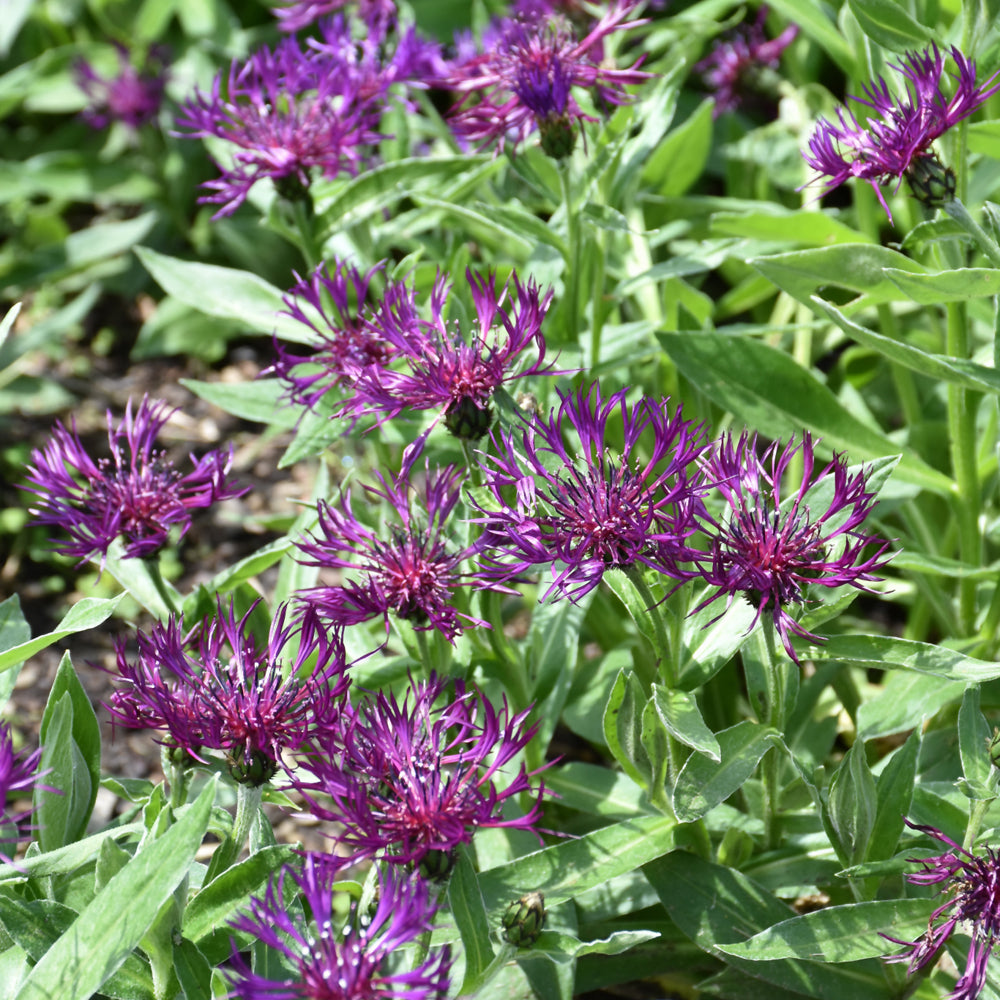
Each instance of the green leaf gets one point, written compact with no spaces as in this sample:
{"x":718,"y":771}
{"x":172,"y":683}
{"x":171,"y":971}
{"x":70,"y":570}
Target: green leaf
{"x":225,"y":292}
{"x":86,"y":613}
{"x":57,"y":810}
{"x":655,"y":742}
{"x":959,"y":371}
{"x":838,"y":933}
{"x":680,"y":714}
{"x":136,"y":576}
{"x":763,"y":387}
{"x":973,"y":738}
{"x":852,"y":804}
{"x":467,"y":907}
{"x":260,"y":401}
{"x":904,"y":701}
{"x":623,"y":727}
{"x":887,"y":23}
{"x":194,"y":974}
{"x":859,"y":267}
{"x":710,"y":640}
{"x":14,"y":631}
{"x":703,"y":783}
{"x":37,"y":925}
{"x":217,"y":902}
{"x":564,"y":947}
{"x":887,"y":653}
{"x":107,"y":930}
{"x":774,"y":222}
{"x":595,"y":789}
{"x":680,"y":158}
{"x":80,"y":793}
{"x":65,"y":859}
{"x":937,"y":287}
{"x":386,"y":184}
{"x":574,"y":866}
{"x":894,"y":791}
{"x":711,"y":903}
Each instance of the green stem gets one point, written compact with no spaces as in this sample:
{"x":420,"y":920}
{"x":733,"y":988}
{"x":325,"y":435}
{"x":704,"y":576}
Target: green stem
{"x":774,"y":713}
{"x":302,"y":212}
{"x":976,"y":816}
{"x":573,"y":262}
{"x":665,"y":664}
{"x":162,"y":589}
{"x":962,"y":442}
{"x":247,"y":805}
{"x":960,"y":214}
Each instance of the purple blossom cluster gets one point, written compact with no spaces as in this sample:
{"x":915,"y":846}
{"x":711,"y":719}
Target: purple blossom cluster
{"x":136,"y":495}
{"x":734,"y":65}
{"x":972,"y":885}
{"x":895,"y":141}
{"x":331,"y":962}
{"x":132,"y":97}
{"x":524,"y":79}
{"x":301,"y":108}
{"x":18,"y":777}
{"x":411,"y":780}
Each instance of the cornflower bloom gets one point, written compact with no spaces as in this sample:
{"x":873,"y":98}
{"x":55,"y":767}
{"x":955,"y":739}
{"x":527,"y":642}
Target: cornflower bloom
{"x":596,"y":508}
{"x":132,"y":97}
{"x":973,"y":902}
{"x":17,"y":779}
{"x":298,"y":14}
{"x":525,"y":81}
{"x":435,"y":368}
{"x":735,"y":64}
{"x":771,"y":551}
{"x":218,"y":687}
{"x":896,"y":143}
{"x":136,"y":495}
{"x":287,"y":111}
{"x":411,"y":781}
{"x":331,"y":305}
{"x":413,"y":573}
{"x":335,"y":963}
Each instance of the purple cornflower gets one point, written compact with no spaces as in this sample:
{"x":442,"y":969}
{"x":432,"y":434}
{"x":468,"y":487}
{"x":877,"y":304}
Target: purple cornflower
{"x":735,"y":63}
{"x":377,"y":14}
{"x":287,"y":111}
{"x":331,"y":962}
{"x":973,"y":887}
{"x":409,"y":782}
{"x":771,"y":551}
{"x":218,"y":687}
{"x":136,"y":495}
{"x":896,"y":143}
{"x":525,"y":81}
{"x":17,"y":779}
{"x":411,"y":571}
{"x":331,"y":305}
{"x":435,"y":368}
{"x":600,"y":506}
{"x":131,"y":97}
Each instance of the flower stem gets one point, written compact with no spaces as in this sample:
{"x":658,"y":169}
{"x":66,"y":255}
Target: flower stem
{"x":573,"y":261}
{"x":247,"y":804}
{"x":162,"y":589}
{"x":774,"y":713}
{"x":976,"y":816}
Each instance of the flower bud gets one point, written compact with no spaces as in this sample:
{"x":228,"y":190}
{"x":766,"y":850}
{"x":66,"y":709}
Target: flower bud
{"x":467,"y":420}
{"x":931,"y":181}
{"x":524,"y":919}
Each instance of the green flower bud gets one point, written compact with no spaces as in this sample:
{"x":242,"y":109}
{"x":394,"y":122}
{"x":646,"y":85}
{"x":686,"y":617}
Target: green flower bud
{"x":524,"y":919}
{"x":558,"y":136}
{"x":437,"y":865}
{"x":467,"y":420}
{"x":255,"y":769}
{"x":931,"y":181}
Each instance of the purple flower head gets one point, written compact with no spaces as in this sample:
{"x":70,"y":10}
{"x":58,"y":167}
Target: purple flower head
{"x":131,"y":97}
{"x":525,"y":80}
{"x":585,"y":509}
{"x":734,"y":63}
{"x":136,"y":495}
{"x":379,"y":15}
{"x":415,"y":779}
{"x":436,"y":368}
{"x":287,"y":111}
{"x":409,"y":571}
{"x":17,"y":781}
{"x":341,"y":963}
{"x":771,"y":550}
{"x":972,"y":883}
{"x":895,"y":142}
{"x":331,"y":305}
{"x":218,"y":687}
